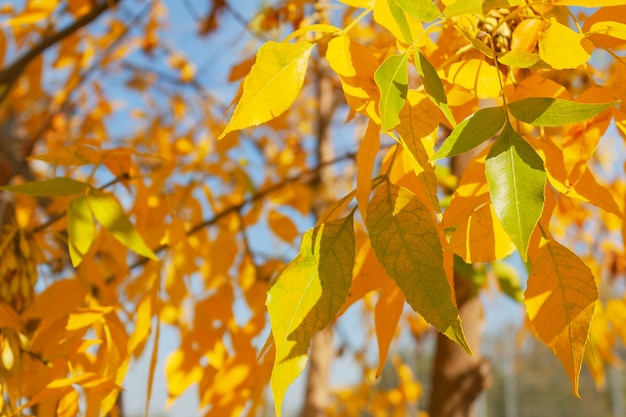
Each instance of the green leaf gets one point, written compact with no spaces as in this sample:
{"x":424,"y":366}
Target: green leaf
{"x":406,"y":241}
{"x":400,"y":18}
{"x":433,"y":85}
{"x":110,"y":214}
{"x":508,"y":279}
{"x":81,"y":229}
{"x":554,"y":112}
{"x":471,"y":132}
{"x":307,"y":295}
{"x":517,"y":180}
{"x":49,"y":188}
{"x":424,"y":10}
{"x":392,"y":78}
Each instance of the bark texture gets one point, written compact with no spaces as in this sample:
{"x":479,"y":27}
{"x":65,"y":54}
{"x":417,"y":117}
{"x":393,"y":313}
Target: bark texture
{"x":457,"y":378}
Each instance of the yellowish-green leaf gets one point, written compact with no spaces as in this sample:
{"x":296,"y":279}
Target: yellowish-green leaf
{"x":433,"y":85}
{"x":406,"y":240}
{"x":307,"y":295}
{"x":563,"y":48}
{"x":110,"y":214}
{"x":424,"y":10}
{"x":272,"y":84}
{"x":554,"y":112}
{"x":560,"y":300}
{"x":463,"y":7}
{"x":48,"y":188}
{"x":517,"y":179}
{"x":521,"y":59}
{"x":81,"y":229}
{"x":402,"y":26}
{"x":473,"y":131}
{"x":392,"y":79}
{"x":508,"y":280}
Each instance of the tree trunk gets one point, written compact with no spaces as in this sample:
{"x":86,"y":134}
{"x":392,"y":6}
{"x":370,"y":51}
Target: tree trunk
{"x":321,"y":354}
{"x":457,"y":378}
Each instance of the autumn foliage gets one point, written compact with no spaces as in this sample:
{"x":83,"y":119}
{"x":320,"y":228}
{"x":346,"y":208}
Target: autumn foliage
{"x":165,"y":206}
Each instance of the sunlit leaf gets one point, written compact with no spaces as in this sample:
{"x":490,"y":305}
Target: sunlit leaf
{"x":613,"y":29}
{"x":406,"y":241}
{"x":517,"y":180}
{"x":48,"y":188}
{"x":307,"y":295}
{"x":392,"y":79}
{"x":81,"y":229}
{"x":355,"y":65}
{"x":589,"y":3}
{"x":272,"y":84}
{"x":560,"y":299}
{"x":424,"y":10}
{"x":110,"y":214}
{"x":520,"y":59}
{"x":562,"y":48}
{"x":553,"y":112}
{"x":471,"y":132}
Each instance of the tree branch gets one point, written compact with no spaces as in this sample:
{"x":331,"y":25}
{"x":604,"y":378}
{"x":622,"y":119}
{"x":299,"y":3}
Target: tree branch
{"x":10,"y":74}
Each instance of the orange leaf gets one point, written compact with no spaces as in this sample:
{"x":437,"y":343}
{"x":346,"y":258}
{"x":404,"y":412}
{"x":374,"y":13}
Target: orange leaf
{"x":386,"y":317}
{"x":560,"y":300}
{"x":365,"y":160}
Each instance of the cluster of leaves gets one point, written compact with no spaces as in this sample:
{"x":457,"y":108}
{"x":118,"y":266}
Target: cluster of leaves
{"x":511,"y":81}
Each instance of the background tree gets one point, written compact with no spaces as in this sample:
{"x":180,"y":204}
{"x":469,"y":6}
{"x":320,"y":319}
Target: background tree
{"x":424,"y":142}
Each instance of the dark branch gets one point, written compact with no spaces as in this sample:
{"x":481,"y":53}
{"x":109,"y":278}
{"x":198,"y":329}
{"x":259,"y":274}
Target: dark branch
{"x":10,"y":74}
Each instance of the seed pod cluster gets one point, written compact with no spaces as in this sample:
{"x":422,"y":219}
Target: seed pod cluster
{"x":497,"y":27}
{"x":18,"y":268}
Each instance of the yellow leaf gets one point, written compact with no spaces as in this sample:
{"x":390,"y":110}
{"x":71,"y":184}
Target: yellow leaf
{"x":68,"y":404}
{"x":181,"y":370}
{"x":475,"y":75}
{"x":110,"y":214}
{"x":365,"y":159}
{"x":589,"y":3}
{"x":386,"y":317}
{"x":407,"y":242}
{"x":85,"y":317}
{"x":282,"y":226}
{"x":81,"y":229}
{"x":272,"y":84}
{"x":561,"y":47}
{"x":143,"y":318}
{"x":481,"y":238}
{"x":29,"y":17}
{"x":364,"y":4}
{"x":355,"y":65}
{"x":306,"y":296}
{"x":560,"y":300}
{"x":419,"y":123}
{"x":405,"y":29}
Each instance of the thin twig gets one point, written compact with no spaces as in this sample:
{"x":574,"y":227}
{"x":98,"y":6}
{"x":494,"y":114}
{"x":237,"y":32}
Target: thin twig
{"x":11,"y":74}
